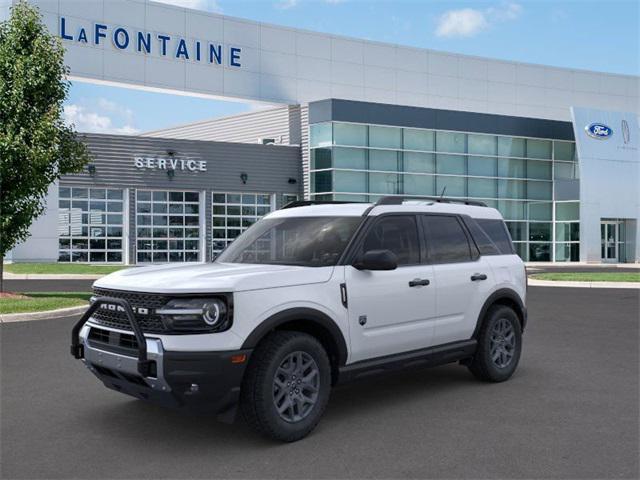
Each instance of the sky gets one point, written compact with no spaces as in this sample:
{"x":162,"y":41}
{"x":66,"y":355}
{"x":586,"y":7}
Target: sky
{"x":601,"y":35}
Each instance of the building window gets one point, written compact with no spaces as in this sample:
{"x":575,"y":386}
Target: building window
{"x":567,"y":232}
{"x":361,"y":162}
{"x":90,"y":225}
{"x":167,"y":226}
{"x":233,"y":213}
{"x":288,"y":198}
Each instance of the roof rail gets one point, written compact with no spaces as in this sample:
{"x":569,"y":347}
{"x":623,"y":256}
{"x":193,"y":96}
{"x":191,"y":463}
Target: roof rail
{"x":306,"y":203}
{"x":399,"y":199}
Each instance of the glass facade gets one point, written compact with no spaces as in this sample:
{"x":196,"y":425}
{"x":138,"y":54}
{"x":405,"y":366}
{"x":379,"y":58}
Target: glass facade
{"x":95,"y":224}
{"x":90,"y":225}
{"x":167,"y":226}
{"x":233,"y":213}
{"x":361,"y":162}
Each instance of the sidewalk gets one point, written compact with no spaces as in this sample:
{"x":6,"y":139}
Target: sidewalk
{"x":51,"y":276}
{"x":553,"y":283}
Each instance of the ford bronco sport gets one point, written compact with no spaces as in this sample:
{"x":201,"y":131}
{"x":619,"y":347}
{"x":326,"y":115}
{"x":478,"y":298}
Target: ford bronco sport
{"x":311,"y":295}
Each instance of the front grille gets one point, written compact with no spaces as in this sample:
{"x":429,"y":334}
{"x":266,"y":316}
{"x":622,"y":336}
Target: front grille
{"x":105,"y":339}
{"x":150,"y":323}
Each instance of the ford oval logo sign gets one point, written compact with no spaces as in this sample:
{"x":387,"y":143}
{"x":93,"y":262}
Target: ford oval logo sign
{"x":599,"y":131}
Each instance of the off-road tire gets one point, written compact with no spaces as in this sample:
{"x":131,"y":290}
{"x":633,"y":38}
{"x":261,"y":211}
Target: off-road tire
{"x":257,"y":391}
{"x":483,"y":365}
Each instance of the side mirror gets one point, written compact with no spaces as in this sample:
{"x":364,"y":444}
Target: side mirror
{"x":377,"y":260}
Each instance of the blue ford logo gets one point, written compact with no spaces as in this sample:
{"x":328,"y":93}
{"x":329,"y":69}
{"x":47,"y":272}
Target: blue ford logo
{"x":599,"y":130}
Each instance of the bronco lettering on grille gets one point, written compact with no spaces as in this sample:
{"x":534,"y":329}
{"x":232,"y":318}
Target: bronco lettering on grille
{"x":118,"y":308}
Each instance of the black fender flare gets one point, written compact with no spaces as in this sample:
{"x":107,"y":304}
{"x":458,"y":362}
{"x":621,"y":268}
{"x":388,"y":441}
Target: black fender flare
{"x":301,"y":314}
{"x":512,"y":297}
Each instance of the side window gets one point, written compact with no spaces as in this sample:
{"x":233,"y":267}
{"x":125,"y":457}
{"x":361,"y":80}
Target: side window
{"x":446,"y":239}
{"x":484,"y":243}
{"x":498,"y":233}
{"x":398,"y":234}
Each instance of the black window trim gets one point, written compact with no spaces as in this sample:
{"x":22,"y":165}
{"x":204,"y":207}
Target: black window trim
{"x":474,"y":251}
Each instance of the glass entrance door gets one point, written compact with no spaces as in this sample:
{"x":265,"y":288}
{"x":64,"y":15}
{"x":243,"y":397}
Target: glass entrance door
{"x":609,"y":232}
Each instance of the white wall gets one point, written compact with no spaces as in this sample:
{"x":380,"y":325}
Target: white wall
{"x":287,"y":65}
{"x":609,"y":177}
{"x":42,"y":245}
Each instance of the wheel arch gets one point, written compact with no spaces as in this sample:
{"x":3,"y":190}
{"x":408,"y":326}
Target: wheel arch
{"x":306,"y":320}
{"x":503,"y":296}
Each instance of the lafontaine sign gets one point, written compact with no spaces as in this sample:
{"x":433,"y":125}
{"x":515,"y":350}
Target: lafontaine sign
{"x":171,"y":163}
{"x":160,"y":44}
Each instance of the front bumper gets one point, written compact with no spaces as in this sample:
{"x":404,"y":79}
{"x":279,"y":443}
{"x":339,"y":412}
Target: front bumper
{"x":204,"y":381}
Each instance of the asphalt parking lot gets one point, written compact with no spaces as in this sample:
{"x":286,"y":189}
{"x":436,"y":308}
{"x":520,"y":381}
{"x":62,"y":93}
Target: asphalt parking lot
{"x":571,"y":411}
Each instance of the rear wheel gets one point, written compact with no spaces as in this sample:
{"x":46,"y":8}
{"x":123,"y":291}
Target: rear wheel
{"x":499,"y":345}
{"x":287,"y":386}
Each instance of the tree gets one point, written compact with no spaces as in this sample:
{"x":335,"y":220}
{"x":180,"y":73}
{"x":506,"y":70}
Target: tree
{"x":36,"y":146}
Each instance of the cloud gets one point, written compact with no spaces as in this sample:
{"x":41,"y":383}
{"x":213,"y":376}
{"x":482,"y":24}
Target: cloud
{"x":467,"y":22}
{"x":207,"y":5}
{"x":105,"y":117}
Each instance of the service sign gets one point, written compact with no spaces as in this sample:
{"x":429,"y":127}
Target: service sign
{"x":170,"y":163}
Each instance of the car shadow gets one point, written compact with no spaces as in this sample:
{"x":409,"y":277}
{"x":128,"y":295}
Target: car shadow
{"x":368,"y":397}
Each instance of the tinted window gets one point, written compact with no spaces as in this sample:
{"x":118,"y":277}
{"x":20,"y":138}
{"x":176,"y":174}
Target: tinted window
{"x":446,"y":239}
{"x":398,"y":234}
{"x":497,"y":232}
{"x":482,"y":240}
{"x":305,"y":241}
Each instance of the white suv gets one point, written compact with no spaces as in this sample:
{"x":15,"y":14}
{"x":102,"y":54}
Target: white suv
{"x":312,"y":295}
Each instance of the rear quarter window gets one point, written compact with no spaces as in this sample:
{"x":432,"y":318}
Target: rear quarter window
{"x":497,"y":232}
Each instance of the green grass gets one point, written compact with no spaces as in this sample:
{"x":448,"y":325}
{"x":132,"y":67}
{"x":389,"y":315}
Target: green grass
{"x":43,"y":301}
{"x":589,"y":276}
{"x":61,"y":268}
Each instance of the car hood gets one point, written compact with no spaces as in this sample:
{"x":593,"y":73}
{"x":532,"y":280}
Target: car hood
{"x":211,"y":277}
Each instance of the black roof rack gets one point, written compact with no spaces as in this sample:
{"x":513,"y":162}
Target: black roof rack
{"x":306,"y":203}
{"x":399,"y":199}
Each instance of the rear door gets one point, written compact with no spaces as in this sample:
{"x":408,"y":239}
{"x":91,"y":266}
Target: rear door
{"x":391,"y":311}
{"x":463,"y":279}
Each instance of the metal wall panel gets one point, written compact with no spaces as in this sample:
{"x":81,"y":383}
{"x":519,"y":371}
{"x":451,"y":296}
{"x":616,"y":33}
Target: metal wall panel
{"x":304,"y":146}
{"x":281,"y":124}
{"x":418,"y":117}
{"x":269,"y":169}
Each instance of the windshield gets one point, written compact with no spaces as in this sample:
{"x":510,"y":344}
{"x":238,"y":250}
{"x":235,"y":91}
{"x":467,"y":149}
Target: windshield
{"x":304,"y":241}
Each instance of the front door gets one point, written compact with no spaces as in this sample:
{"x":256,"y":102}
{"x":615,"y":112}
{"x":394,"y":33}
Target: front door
{"x":391,"y":311}
{"x":609,"y":241}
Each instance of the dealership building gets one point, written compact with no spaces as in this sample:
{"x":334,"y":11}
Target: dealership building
{"x":555,"y":150}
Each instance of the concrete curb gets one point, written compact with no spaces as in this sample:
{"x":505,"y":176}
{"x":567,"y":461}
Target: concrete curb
{"x":49,"y":314}
{"x":49,"y":276}
{"x":553,"y":283}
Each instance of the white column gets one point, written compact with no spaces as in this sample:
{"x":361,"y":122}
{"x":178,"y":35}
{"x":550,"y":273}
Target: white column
{"x":202,"y":255}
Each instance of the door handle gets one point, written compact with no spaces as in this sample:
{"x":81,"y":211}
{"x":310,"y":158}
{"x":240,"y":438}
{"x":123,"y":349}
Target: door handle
{"x":478,"y":276}
{"x":419,"y":282}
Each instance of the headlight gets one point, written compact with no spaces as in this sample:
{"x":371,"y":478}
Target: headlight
{"x":195,"y":314}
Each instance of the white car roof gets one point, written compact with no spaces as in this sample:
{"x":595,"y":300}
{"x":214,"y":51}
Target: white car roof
{"x":358,"y":209}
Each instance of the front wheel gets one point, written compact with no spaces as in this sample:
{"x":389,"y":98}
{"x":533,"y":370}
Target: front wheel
{"x":287,"y":386}
{"x":499,"y":345}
